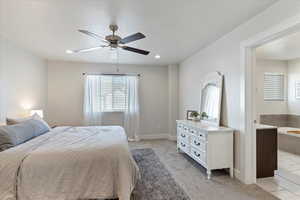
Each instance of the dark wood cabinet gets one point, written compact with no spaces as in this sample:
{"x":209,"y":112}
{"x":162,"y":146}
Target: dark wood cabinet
{"x":266,"y":152}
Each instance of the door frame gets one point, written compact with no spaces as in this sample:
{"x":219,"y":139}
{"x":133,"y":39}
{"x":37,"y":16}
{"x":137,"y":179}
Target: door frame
{"x":248,"y":107}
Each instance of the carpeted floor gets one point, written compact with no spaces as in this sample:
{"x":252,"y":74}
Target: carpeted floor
{"x":156,"y":182}
{"x":191,"y":177}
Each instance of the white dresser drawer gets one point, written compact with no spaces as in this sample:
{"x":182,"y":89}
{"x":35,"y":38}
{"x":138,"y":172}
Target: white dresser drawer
{"x":192,"y":131}
{"x":201,"y":135}
{"x":198,"y":155}
{"x":183,"y":136}
{"x":180,"y":127}
{"x":184,"y":146}
{"x":185,"y":129}
{"x":198,"y":143}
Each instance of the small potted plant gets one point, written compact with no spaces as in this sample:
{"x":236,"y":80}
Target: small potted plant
{"x":204,"y":115}
{"x":195,"y":115}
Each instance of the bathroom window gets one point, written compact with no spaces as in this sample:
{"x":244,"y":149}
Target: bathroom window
{"x":274,"y":87}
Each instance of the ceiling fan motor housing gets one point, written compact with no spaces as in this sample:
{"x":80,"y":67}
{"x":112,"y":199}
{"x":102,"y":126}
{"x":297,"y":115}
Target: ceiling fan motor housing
{"x":113,"y":40}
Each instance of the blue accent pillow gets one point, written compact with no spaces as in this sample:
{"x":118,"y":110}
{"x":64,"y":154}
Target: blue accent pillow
{"x":39,"y":127}
{"x":13,"y":135}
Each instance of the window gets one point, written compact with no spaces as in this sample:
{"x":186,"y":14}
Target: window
{"x":273,"y":87}
{"x":297,"y":89}
{"x":113,"y":93}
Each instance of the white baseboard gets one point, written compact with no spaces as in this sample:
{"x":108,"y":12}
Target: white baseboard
{"x":172,"y":137}
{"x":237,"y":174}
{"x":154,"y":136}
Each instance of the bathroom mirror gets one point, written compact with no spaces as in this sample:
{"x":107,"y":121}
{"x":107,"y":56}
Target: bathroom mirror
{"x":211,"y":98}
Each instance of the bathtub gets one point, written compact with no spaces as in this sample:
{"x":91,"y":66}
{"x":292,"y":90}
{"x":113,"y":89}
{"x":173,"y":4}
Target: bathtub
{"x":289,"y":142}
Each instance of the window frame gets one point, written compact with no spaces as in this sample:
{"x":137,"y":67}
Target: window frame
{"x":281,"y":89}
{"x":297,"y":89}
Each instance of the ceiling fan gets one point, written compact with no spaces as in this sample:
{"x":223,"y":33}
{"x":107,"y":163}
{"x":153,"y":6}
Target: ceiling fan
{"x":113,"y":41}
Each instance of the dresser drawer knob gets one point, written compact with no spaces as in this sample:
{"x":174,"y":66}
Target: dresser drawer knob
{"x":182,"y":144}
{"x":182,"y":135}
{"x":196,"y":143}
{"x":197,"y":154}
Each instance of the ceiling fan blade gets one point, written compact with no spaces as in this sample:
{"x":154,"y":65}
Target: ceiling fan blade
{"x":131,"y":38}
{"x":87,"y":49}
{"x":139,"y":51}
{"x":94,"y":35}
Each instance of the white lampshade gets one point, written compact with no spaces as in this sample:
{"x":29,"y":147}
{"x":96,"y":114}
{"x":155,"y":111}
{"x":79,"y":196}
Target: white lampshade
{"x":38,"y":112}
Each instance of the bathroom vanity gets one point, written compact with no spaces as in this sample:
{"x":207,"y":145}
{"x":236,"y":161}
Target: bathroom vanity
{"x":266,"y":150}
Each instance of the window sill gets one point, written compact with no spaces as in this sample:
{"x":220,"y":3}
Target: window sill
{"x":270,"y":100}
{"x":113,"y":111}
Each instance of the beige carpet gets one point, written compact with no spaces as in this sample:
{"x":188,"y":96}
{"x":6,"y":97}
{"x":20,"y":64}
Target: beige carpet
{"x":191,"y":176}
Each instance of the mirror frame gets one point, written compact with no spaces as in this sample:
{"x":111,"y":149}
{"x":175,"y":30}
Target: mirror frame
{"x":215,"y":78}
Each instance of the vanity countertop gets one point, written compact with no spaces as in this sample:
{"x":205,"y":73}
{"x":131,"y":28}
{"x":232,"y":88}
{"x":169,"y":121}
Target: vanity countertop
{"x":264,"y":126}
{"x":205,"y":126}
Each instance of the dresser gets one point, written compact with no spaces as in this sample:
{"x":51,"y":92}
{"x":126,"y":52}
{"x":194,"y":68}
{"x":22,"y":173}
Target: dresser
{"x":210,"y":146}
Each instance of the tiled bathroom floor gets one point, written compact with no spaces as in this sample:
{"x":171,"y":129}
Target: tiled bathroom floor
{"x":286,"y":183}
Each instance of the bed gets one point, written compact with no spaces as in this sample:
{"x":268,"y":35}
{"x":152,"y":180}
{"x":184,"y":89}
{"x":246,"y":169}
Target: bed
{"x":69,"y":163}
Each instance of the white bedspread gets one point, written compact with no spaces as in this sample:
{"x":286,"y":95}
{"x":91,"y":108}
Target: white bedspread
{"x":69,"y":163}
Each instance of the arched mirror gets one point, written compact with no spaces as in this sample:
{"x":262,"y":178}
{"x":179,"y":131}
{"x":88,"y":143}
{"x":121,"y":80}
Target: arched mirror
{"x":211,"y":98}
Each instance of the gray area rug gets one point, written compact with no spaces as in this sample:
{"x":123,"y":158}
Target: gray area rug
{"x":156,"y":182}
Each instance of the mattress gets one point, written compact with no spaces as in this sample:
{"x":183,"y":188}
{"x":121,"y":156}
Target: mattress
{"x":70,"y":163}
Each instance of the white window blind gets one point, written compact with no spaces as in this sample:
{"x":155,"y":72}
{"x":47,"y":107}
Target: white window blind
{"x":297,"y":89}
{"x":113,"y":93}
{"x":273,"y":87}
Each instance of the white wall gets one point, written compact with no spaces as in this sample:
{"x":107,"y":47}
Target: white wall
{"x":23,"y":79}
{"x":173,"y":98}
{"x":2,"y":102}
{"x":291,"y":69}
{"x":294,"y":74}
{"x":65,"y":94}
{"x":270,"y":107}
{"x":224,"y":56}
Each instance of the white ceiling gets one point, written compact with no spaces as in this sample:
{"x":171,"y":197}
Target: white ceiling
{"x":175,"y":29}
{"x":286,"y":48}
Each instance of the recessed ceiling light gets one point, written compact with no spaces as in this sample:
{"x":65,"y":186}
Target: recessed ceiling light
{"x":69,"y":51}
{"x":157,"y":56}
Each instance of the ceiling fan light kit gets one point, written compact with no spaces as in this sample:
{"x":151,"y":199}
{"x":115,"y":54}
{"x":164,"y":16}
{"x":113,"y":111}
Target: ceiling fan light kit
{"x":113,"y":41}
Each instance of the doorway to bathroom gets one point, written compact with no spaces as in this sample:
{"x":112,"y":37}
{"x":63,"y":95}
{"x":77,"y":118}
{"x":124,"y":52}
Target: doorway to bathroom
{"x":276,"y":84}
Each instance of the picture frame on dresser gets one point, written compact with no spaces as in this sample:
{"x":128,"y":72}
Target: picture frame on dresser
{"x":188,"y":114}
{"x":206,"y":142}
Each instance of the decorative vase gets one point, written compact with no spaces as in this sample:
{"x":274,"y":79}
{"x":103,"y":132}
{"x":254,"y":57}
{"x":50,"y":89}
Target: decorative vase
{"x":195,"y":119}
